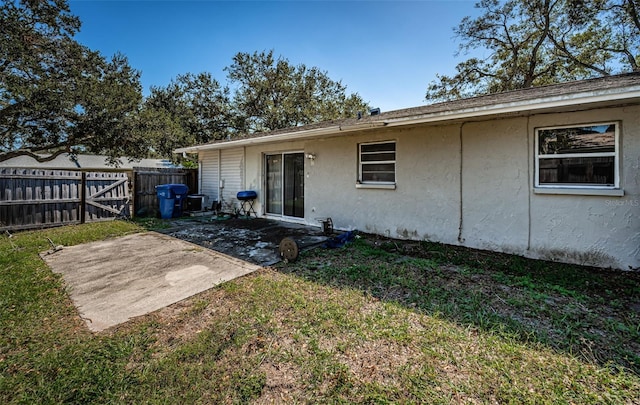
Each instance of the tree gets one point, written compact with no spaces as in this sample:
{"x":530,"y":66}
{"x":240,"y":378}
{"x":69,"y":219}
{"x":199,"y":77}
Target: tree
{"x":161,"y":132}
{"x":191,"y":109}
{"x":608,"y":28}
{"x":537,"y":42}
{"x":56,"y":93}
{"x":272,"y":93}
{"x":268,"y":94}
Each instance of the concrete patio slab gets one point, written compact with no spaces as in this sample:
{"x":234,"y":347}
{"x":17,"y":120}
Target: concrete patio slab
{"x":114,"y":280}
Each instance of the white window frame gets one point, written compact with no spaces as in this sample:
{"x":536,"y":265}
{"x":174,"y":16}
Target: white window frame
{"x":377,"y":184}
{"x":589,"y":189}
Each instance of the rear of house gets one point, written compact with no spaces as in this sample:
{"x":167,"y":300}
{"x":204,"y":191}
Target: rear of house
{"x":549,"y":172}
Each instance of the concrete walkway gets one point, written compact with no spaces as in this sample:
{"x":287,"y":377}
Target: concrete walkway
{"x":114,"y":280}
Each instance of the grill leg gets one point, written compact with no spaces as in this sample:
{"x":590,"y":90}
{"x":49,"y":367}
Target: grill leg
{"x":247,"y":211}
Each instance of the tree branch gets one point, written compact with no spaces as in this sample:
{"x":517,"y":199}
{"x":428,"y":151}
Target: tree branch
{"x":569,"y":56}
{"x":39,"y":159}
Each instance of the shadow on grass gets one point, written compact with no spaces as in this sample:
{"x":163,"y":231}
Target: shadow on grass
{"x":591,"y":313}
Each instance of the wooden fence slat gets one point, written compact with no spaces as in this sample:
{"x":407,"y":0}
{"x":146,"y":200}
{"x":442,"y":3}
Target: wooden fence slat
{"x":36,"y":202}
{"x":37,"y":177}
{"x":104,"y":207}
{"x":109,"y":188}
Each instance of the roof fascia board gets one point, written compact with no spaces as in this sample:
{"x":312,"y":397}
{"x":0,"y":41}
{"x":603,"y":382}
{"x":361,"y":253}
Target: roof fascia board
{"x":262,"y":139}
{"x":288,"y":136}
{"x":541,"y":104}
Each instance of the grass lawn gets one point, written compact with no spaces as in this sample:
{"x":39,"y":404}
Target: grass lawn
{"x":379,"y":321}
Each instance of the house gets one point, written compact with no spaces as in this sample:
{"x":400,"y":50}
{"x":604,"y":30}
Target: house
{"x":67,"y":161}
{"x":548,"y":172}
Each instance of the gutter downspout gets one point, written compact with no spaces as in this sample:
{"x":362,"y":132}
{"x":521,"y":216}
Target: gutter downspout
{"x":200,"y":163}
{"x":530,"y":186}
{"x":220,"y":185}
{"x":461,"y":212}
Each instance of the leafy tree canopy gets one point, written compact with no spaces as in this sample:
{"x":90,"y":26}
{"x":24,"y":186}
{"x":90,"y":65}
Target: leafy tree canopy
{"x":271,"y":93}
{"x":192,"y":109}
{"x":56,"y":93}
{"x":262,"y":93}
{"x":536,"y":42}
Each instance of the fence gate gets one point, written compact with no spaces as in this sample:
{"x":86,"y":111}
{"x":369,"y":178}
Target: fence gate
{"x":41,"y":198}
{"x":106,"y":196}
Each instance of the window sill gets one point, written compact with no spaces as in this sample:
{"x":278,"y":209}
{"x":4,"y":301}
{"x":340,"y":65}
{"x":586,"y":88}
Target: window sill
{"x":579,"y":191}
{"x":376,"y":186}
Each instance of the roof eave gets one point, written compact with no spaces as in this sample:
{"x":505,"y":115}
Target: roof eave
{"x":612,"y":96}
{"x":607,"y":96}
{"x":283,"y":137}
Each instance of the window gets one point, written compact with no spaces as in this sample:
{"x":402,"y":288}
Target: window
{"x":584,"y":156}
{"x":377,"y":163}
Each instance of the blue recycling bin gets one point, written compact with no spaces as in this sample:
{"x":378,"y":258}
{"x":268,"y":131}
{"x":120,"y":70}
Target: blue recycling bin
{"x":180,"y":192}
{"x":171,"y":198}
{"x":166,"y":200}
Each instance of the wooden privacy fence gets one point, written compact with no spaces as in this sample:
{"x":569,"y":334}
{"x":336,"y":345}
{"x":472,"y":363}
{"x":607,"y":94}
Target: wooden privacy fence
{"x":146,"y":180}
{"x":40,"y":198}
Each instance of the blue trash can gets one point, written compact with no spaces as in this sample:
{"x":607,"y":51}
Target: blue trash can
{"x":166,"y":200}
{"x":180,"y":192}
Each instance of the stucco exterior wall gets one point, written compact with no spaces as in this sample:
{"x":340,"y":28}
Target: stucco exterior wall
{"x":425,"y":203}
{"x":592,"y":230}
{"x":495,"y":185}
{"x":471,"y":184}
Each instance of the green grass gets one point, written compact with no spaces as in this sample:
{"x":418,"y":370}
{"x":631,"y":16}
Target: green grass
{"x":46,"y":354}
{"x":375,"y":322}
{"x":582,"y":311}
{"x":152,"y":223}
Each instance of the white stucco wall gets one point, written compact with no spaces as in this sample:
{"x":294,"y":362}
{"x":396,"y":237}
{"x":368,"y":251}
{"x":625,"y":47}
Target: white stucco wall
{"x":471,"y":184}
{"x":495,"y":185}
{"x":425,"y":203}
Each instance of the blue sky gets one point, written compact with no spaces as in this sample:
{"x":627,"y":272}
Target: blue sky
{"x":387,"y":51}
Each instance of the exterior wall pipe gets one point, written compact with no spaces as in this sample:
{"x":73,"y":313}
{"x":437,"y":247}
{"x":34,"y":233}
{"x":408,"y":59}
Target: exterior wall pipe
{"x":460,"y":238}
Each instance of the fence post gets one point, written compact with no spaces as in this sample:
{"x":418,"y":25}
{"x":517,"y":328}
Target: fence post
{"x":83,"y":197}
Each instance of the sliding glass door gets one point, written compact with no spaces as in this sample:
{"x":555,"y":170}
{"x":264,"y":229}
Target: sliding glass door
{"x":274,"y":184}
{"x":285,"y":184}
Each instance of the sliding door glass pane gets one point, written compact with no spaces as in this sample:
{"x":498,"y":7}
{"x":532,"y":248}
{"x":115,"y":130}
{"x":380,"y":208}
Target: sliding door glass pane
{"x":294,"y":185}
{"x":274,"y":184}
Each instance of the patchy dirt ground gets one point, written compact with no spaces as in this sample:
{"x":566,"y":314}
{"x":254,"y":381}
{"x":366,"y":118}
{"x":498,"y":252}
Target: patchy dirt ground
{"x":255,"y":240}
